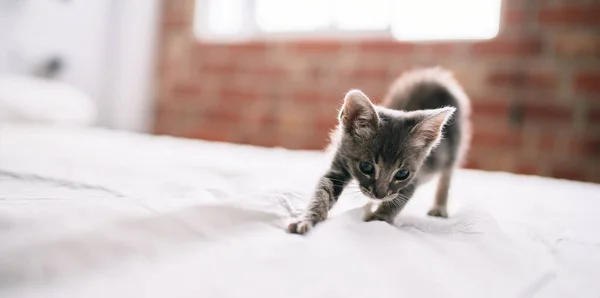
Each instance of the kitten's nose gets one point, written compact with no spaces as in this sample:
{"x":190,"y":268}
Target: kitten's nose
{"x":379,"y":193}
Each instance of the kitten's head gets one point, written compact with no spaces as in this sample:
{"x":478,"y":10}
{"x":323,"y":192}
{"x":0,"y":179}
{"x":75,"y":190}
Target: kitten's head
{"x":385,"y":148}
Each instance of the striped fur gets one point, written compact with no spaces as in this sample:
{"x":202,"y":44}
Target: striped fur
{"x":422,"y":127}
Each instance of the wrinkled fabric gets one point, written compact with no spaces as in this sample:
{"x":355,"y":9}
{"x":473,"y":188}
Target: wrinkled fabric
{"x":97,"y":213}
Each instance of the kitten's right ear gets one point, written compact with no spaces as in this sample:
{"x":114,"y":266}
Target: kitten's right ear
{"x":358,"y":114}
{"x":428,"y":131}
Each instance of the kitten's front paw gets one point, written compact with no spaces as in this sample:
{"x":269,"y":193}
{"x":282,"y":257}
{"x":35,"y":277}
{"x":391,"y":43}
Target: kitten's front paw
{"x":300,"y":227}
{"x":371,"y":213}
{"x":438,"y":211}
{"x":369,"y":216}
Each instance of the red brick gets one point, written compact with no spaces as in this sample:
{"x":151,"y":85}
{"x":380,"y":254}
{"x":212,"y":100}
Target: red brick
{"x":298,"y":136}
{"x":269,"y":140}
{"x":499,"y":160}
{"x":570,"y":15}
{"x":162,"y":123}
{"x":526,"y":168}
{"x":257,"y":116}
{"x":593,"y":176}
{"x":585,"y":146}
{"x":211,"y":47}
{"x":507,"y":47}
{"x":514,"y":4}
{"x":209,"y":135}
{"x":246,"y":47}
{"x":525,"y":79}
{"x":223,"y":113}
{"x":188,"y":88}
{"x":578,"y":45}
{"x":490,"y":108}
{"x":496,"y":139}
{"x":594,"y":116}
{"x":546,"y":143}
{"x":326,"y":123}
{"x":265,"y":118}
{"x":329,"y":109}
{"x":268,"y":120}
{"x":588,"y":82}
{"x":321,"y":47}
{"x":315,"y":144}
{"x":271,"y":71}
{"x":264,"y":70}
{"x":236,"y":94}
{"x":217,"y":130}
{"x":294,"y":117}
{"x":317,"y":140}
{"x":386,"y":46}
{"x":567,"y":172}
{"x":264,"y":138}
{"x":513,"y":22}
{"x":534,"y":111}
{"x":164,"y":69}
{"x":471,"y":163}
{"x":165,"y":105}
{"x":218,"y":68}
{"x":370,"y":73}
{"x":437,"y":48}
{"x":309,"y":96}
{"x":514,"y":16}
{"x":443,"y":48}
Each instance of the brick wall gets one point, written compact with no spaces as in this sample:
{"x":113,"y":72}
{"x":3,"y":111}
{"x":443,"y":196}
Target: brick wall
{"x":535,"y":88}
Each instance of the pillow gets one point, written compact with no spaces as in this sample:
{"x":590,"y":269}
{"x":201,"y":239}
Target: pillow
{"x":36,"y":100}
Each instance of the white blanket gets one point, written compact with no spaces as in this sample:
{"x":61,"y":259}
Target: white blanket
{"x":94,"y":213}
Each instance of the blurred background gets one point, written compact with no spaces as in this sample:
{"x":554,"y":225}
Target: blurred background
{"x":274,"y":72}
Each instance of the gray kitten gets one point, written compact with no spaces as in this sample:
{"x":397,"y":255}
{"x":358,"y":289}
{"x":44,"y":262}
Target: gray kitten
{"x":392,"y":149}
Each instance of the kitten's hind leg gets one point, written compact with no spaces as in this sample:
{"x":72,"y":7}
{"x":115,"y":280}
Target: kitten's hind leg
{"x":439,"y":208}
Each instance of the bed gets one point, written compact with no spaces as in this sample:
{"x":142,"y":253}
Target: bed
{"x":88,"y":212}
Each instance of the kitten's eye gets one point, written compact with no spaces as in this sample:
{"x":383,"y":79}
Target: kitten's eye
{"x":366,"y":167}
{"x":401,"y":175}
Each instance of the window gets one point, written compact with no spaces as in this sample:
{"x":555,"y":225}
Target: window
{"x":407,"y":20}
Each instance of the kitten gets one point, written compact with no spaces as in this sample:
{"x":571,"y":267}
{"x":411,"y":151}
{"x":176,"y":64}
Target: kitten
{"x":392,"y":149}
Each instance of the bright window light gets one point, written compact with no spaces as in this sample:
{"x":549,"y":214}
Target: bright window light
{"x":445,"y":20}
{"x":292,"y":15}
{"x":362,"y":15}
{"x":406,"y":20}
{"x":225,"y":17}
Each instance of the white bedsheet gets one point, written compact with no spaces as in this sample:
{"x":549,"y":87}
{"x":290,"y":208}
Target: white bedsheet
{"x":93,"y":213}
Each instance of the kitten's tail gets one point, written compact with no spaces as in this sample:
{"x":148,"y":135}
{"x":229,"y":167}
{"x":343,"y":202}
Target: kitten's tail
{"x":430,"y":88}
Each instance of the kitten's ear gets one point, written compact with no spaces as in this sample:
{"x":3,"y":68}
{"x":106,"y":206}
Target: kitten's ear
{"x":358,"y":114}
{"x":428,"y":130}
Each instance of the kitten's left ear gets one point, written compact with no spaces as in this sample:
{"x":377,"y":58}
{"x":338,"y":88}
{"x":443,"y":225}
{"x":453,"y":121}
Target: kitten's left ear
{"x":428,"y":130}
{"x":358,"y":114}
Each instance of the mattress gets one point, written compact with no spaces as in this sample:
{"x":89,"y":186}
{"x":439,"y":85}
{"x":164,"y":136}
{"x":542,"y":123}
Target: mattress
{"x":96,"y":213}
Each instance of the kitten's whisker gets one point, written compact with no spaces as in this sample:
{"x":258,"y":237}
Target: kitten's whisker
{"x":336,"y":179}
{"x":402,"y":200}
